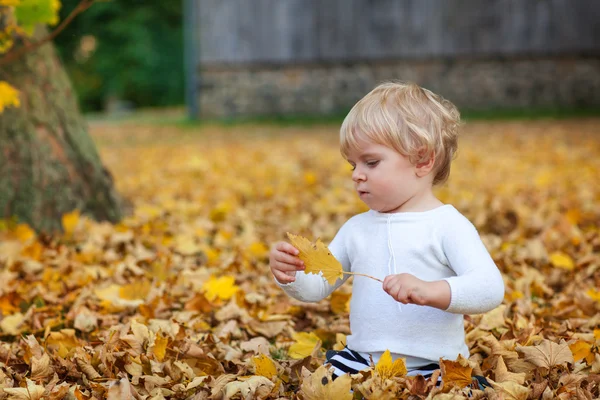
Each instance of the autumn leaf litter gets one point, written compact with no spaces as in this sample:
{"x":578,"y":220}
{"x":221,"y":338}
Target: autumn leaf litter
{"x":176,"y":301}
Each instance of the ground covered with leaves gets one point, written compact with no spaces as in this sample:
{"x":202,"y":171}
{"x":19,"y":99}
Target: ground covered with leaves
{"x":177,"y":301}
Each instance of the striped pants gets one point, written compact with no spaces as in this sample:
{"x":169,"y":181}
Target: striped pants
{"x":350,"y":361}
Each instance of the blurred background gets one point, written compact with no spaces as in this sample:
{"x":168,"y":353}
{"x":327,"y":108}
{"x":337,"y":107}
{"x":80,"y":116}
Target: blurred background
{"x":240,"y":58}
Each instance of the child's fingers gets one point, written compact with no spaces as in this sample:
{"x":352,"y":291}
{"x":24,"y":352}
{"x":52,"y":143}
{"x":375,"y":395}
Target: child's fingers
{"x":285,"y":267}
{"x":282,"y":277}
{"x":288,"y":259}
{"x":286,"y":248}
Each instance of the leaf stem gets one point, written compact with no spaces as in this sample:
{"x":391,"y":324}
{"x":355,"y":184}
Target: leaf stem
{"x":358,"y":273}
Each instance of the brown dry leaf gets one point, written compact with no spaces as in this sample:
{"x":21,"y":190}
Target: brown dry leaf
{"x":455,"y":374}
{"x":254,"y":387}
{"x":30,"y":392}
{"x":41,"y":368}
{"x":503,"y":374}
{"x":547,"y":354}
{"x":317,"y":258}
{"x":511,"y":390}
{"x":319,"y":386}
{"x":388,"y":369}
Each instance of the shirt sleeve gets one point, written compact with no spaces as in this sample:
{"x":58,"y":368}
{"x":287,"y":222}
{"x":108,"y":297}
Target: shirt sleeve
{"x":313,"y":288}
{"x":478,"y":286}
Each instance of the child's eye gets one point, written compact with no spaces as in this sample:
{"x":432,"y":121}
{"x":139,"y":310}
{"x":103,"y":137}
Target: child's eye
{"x":372,"y":163}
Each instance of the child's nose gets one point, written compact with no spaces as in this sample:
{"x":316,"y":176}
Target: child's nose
{"x":358,"y":175}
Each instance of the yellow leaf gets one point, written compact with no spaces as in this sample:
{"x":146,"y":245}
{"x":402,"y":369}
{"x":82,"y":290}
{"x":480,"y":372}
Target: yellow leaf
{"x":594,"y":294}
{"x":317,"y":258}
{"x":305,"y":344}
{"x":388,"y":369}
{"x":456,"y":373}
{"x":63,"y":342}
{"x":160,"y":346}
{"x":580,"y":350}
{"x":110,"y":298}
{"x":547,"y":354}
{"x":310,"y":178}
{"x":223,"y":288}
{"x":258,"y":250}
{"x":70,"y":221}
{"x":340,"y":302}
{"x":11,"y":324}
{"x":24,"y":233}
{"x":319,"y":386}
{"x":340,"y":342}
{"x":562,"y":260}
{"x":9,"y":96}
{"x":264,"y":366}
{"x":10,"y":3}
{"x":137,"y":290}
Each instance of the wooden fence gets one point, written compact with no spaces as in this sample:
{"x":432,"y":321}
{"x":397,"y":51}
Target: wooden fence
{"x":240,"y":32}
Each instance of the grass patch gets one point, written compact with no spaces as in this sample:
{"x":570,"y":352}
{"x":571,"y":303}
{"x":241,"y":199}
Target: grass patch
{"x":178,"y":117}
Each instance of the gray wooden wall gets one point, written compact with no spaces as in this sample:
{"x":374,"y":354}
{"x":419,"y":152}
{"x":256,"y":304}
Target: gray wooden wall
{"x":240,"y":32}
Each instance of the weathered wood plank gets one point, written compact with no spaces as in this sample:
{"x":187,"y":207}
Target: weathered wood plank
{"x":291,"y":31}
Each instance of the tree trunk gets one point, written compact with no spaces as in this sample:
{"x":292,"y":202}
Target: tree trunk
{"x":48,"y":163}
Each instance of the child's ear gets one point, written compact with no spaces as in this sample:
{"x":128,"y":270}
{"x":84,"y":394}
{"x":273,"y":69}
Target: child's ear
{"x":425,"y":167}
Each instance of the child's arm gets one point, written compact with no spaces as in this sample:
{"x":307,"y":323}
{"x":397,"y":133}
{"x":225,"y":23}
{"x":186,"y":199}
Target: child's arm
{"x":478,"y":286}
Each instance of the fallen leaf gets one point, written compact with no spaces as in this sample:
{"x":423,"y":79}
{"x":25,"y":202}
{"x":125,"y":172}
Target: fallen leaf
{"x":503,"y":374}
{"x":511,"y":390}
{"x":70,"y":221}
{"x":10,"y":325}
{"x":581,"y":350}
{"x":255,"y":387}
{"x":160,"y":346}
{"x":562,"y":260}
{"x":30,"y":392}
{"x":264,"y":366}
{"x":456,"y":373}
{"x":223,"y":288}
{"x":319,"y":386}
{"x":305,"y":345}
{"x":388,"y":369}
{"x":547,"y":354}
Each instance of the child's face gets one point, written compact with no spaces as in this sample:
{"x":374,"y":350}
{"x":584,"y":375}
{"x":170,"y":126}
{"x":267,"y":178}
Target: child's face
{"x":385,"y":179}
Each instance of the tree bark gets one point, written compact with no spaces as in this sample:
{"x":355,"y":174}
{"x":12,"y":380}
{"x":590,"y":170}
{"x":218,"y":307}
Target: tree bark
{"x":49,"y":164}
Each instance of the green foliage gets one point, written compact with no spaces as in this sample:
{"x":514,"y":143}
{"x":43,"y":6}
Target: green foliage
{"x":29,"y":13}
{"x":131,"y":50}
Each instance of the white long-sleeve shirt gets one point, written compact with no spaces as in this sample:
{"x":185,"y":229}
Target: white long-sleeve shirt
{"x":440,"y":244}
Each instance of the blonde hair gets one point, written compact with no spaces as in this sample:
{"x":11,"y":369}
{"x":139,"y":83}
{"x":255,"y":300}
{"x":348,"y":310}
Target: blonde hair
{"x":414,"y":121}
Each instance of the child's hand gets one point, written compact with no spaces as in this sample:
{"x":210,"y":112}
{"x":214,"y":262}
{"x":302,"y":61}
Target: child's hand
{"x":284,"y":262}
{"x":408,"y":289}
